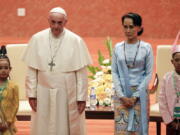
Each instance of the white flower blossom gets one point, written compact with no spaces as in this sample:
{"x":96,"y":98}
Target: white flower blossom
{"x":106,"y":61}
{"x":103,"y":67}
{"x":107,"y":90}
{"x":109,"y":67}
{"x":107,"y":101}
{"x":100,"y":102}
{"x":98,"y":74}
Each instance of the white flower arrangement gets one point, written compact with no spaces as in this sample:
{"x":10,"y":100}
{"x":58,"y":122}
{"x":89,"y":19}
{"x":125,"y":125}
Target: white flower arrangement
{"x":102,"y":79}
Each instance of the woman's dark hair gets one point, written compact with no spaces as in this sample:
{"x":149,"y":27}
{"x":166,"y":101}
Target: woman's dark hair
{"x":3,"y":54}
{"x":137,"y":20}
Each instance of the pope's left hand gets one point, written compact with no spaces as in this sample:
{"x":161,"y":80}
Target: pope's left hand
{"x":81,"y":106}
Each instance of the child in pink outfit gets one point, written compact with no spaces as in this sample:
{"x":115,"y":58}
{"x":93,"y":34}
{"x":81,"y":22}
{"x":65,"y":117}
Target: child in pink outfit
{"x":169,"y":97}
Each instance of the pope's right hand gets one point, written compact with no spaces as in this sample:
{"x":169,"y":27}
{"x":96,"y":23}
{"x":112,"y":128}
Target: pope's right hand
{"x":33,"y":103}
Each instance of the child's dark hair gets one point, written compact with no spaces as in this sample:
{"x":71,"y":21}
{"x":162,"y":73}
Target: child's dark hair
{"x":3,"y":54}
{"x":174,"y":54}
{"x":137,"y":20}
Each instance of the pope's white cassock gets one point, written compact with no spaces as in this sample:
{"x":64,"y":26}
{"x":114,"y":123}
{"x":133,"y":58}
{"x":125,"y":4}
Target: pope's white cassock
{"x":57,"y":77}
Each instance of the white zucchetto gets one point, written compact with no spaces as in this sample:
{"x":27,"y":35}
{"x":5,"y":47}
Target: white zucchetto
{"x":58,"y":10}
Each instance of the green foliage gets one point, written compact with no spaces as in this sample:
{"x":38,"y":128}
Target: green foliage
{"x":100,"y":58}
{"x":108,"y":44}
{"x":93,"y":69}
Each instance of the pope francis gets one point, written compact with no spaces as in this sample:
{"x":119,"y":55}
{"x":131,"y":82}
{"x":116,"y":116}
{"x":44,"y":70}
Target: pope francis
{"x":56,"y":81}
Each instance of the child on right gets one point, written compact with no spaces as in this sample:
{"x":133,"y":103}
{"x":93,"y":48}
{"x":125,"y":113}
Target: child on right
{"x":169,"y":96}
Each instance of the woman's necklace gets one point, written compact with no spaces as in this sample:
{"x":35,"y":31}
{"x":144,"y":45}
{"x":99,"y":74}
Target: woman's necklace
{"x":53,"y":55}
{"x":2,"y":88}
{"x":131,"y":65}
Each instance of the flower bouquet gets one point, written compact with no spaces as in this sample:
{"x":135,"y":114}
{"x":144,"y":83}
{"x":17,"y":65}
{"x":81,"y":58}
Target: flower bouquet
{"x":101,"y":80}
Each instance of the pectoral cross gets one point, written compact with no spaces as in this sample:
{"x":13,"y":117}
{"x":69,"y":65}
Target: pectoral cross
{"x":51,"y":64}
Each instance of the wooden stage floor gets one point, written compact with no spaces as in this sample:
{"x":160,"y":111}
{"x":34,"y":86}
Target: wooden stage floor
{"x":94,"y":127}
